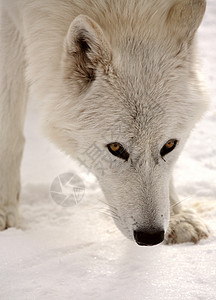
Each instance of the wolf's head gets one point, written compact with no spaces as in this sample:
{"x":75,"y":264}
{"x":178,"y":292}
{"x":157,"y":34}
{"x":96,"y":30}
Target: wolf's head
{"x":129,"y":98}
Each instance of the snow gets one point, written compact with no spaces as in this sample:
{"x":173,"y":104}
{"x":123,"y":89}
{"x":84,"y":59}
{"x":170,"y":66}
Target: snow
{"x":77,"y":252}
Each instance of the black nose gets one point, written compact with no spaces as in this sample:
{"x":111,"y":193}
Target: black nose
{"x":148,"y":238}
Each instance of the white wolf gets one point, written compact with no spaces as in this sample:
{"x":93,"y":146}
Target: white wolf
{"x":104,"y":68}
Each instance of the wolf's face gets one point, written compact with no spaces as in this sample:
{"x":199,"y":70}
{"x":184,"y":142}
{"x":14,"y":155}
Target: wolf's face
{"x":128,"y":112}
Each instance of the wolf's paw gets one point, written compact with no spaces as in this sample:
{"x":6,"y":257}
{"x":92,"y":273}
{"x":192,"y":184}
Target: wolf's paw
{"x":8,"y":216}
{"x":186,"y":226}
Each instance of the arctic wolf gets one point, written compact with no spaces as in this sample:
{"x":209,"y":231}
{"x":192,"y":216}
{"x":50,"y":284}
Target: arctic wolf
{"x":100,"y":67}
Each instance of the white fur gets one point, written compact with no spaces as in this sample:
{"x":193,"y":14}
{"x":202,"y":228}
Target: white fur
{"x":137,"y":81}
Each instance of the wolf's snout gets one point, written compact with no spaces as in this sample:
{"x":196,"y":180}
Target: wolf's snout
{"x":148,"y":238}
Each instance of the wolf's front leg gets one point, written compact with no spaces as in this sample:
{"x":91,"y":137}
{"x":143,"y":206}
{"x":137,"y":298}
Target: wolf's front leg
{"x":185,"y":225}
{"x":12,"y":109}
{"x":9,"y":183}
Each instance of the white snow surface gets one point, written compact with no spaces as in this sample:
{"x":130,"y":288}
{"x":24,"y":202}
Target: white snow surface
{"x":78,"y":253}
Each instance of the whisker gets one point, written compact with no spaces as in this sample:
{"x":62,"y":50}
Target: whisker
{"x":175,"y":204}
{"x":109,"y":212}
{"x":115,"y":217}
{"x":107,"y":204}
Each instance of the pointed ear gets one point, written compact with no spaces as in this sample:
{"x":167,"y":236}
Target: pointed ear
{"x":86,"y":47}
{"x":184,"y":18}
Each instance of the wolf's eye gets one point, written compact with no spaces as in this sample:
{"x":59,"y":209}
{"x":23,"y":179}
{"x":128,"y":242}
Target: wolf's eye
{"x":168,"y":147}
{"x":118,"y":150}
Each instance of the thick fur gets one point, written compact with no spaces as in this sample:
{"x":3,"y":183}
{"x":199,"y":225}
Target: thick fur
{"x":103,"y":69}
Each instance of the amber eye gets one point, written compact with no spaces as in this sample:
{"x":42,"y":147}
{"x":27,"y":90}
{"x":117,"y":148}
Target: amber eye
{"x":114,"y":147}
{"x":118,"y":150}
{"x":168,"y":147}
{"x":170,"y":144}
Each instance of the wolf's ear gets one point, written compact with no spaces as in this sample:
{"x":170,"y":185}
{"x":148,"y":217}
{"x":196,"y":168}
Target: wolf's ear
{"x":86,"y":47}
{"x":184,"y":18}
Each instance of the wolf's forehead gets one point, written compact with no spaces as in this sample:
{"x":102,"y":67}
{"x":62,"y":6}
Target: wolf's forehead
{"x":148,"y":98}
{"x":147,"y":122}
{"x":148,"y":118}
{"x":146,"y":108}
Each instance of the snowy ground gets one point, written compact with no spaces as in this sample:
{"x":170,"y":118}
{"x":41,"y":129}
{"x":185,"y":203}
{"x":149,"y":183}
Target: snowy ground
{"x":77,"y":252}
